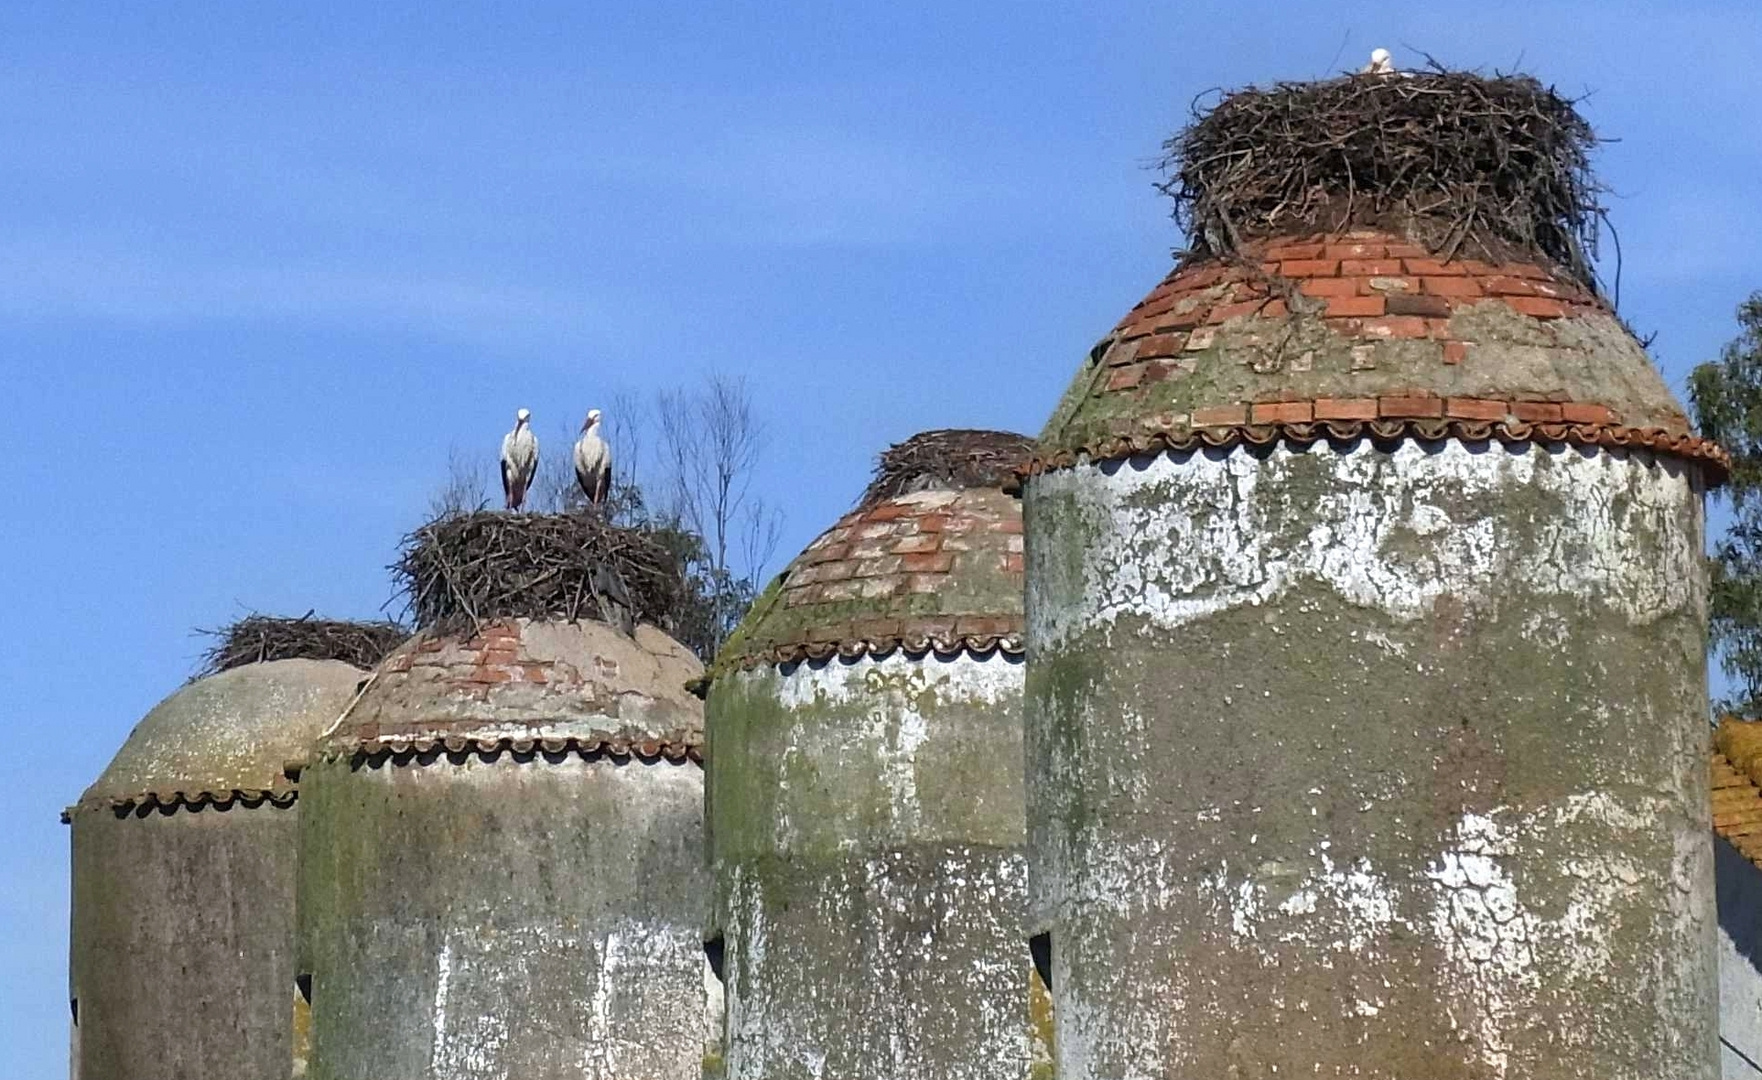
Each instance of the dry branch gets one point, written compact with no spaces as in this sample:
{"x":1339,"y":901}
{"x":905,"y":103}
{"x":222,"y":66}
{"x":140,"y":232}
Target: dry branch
{"x":257,"y":638}
{"x":1460,"y":163}
{"x":459,"y":571}
{"x":953,"y":458}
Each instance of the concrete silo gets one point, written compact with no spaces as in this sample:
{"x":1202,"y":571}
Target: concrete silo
{"x":865,"y":787}
{"x":1366,"y":706}
{"x":502,"y":867}
{"x":182,"y":958}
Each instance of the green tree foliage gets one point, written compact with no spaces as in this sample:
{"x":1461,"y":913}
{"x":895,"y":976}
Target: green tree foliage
{"x":1726,"y":396}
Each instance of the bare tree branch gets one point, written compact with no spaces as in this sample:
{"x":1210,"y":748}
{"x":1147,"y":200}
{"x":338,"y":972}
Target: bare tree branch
{"x":466,"y":487}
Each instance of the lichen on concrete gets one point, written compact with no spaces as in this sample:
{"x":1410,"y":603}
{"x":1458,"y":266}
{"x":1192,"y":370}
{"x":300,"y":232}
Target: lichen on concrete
{"x":468,"y":919}
{"x":237,"y":730}
{"x":182,"y":936}
{"x":482,"y":914}
{"x":865,"y":826}
{"x":1376,"y":762}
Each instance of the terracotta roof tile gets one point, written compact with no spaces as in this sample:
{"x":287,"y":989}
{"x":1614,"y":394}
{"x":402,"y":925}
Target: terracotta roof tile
{"x":946,"y":577}
{"x":1314,"y":319}
{"x":1737,"y":786}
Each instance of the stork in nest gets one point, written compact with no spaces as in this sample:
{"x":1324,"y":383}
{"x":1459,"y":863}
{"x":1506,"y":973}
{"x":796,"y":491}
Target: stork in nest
{"x":519,"y":460}
{"x":1381,"y":63}
{"x":593,"y":461}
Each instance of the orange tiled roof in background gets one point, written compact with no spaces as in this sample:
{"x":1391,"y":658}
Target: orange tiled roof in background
{"x":1737,"y":786}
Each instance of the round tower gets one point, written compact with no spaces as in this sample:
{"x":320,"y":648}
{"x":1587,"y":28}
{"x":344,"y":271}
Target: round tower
{"x":1366,"y":705}
{"x":865,"y":786}
{"x":182,"y":942}
{"x":502,"y":866}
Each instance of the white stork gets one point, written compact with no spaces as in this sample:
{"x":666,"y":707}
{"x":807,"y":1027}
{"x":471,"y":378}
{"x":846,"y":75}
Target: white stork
{"x":593,"y":461}
{"x":1381,"y":63}
{"x":519,"y":460}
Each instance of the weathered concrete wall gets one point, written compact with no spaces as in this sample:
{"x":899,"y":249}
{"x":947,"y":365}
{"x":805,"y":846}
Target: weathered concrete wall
{"x":182,"y":937}
{"x":1740,"y":962}
{"x":866,"y":824}
{"x":182,"y":929}
{"x":472,"y":916}
{"x":1372,"y":762}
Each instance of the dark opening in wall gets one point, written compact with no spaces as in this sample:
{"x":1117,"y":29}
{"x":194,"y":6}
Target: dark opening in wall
{"x":714,"y":950}
{"x":1040,"y":948}
{"x":75,"y":1004}
{"x":303,"y":985}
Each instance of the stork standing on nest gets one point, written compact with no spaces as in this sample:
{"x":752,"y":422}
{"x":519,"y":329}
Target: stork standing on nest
{"x":1381,"y":63}
{"x":593,"y":461}
{"x":519,"y":460}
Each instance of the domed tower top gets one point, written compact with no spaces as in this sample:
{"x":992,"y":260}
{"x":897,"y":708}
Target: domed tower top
{"x":226,"y":736}
{"x":1384,"y":255}
{"x":525,"y":684}
{"x":930,"y":558}
{"x":518,"y":649}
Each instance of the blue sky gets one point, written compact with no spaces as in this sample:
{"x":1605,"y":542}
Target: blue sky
{"x":260,"y":269}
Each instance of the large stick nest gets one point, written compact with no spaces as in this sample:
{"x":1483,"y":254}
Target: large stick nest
{"x":257,"y":638}
{"x":1458,"y":162}
{"x":462,"y":570}
{"x":956,"y":458}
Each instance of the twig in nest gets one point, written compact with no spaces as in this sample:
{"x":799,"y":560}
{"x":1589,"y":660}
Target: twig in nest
{"x":258,"y":638}
{"x":460,"y":571}
{"x":953,"y":458}
{"x":1459,"y":162}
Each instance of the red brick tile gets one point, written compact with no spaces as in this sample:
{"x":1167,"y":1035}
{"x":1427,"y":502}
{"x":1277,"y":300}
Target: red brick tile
{"x":933,"y":523}
{"x":1536,"y":412}
{"x":1523,"y":270}
{"x":1366,"y":249}
{"x":1149,"y":309}
{"x":940,"y":562}
{"x":1433,"y":306}
{"x":1354,"y":307}
{"x":1434,"y":268}
{"x":1346,"y":408}
{"x":1282,"y":412}
{"x":1184,"y":317}
{"x":915,"y":545}
{"x":1162,"y":345}
{"x":1328,"y":287}
{"x":1455,"y":352}
{"x":1274,"y":309}
{"x":1370,"y":267}
{"x":1234,"y":311}
{"x":1201,"y":279}
{"x":1220,"y":415}
{"x":1407,"y":408}
{"x":1581,"y":412}
{"x":886,"y":564}
{"x":1538,"y":307}
{"x":1396,"y":326}
{"x":1474,"y":409}
{"x":1282,"y":252}
{"x":1454,"y":287}
{"x":1407,"y":251}
{"x":1497,"y":285}
{"x":1304,"y":268}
